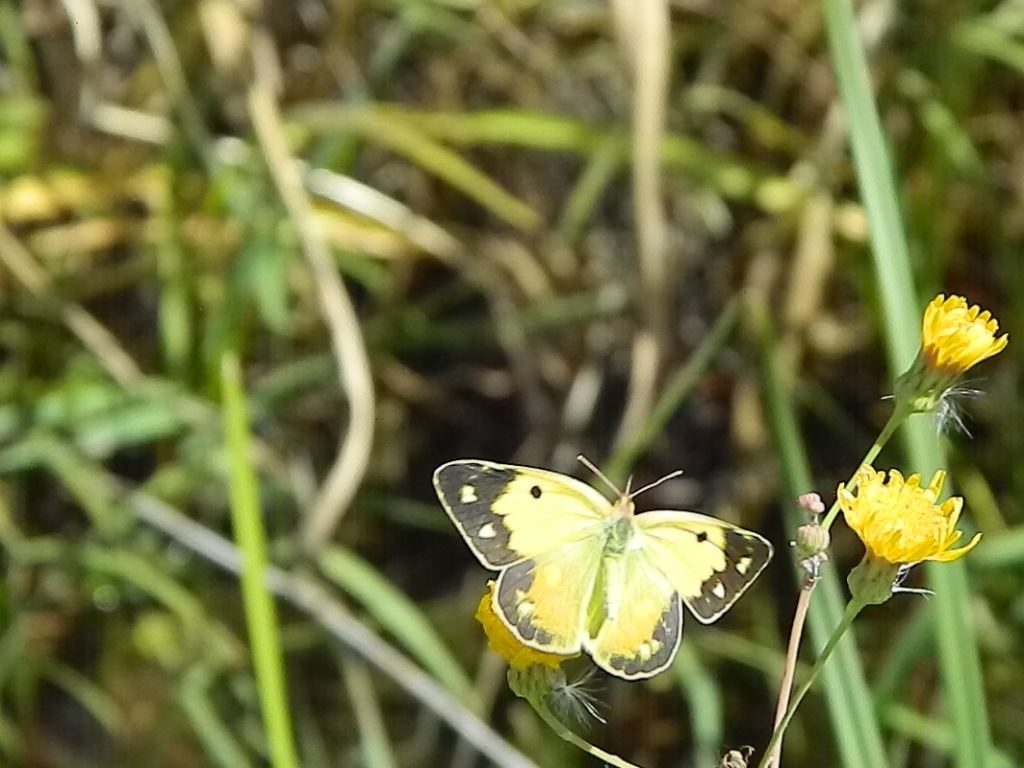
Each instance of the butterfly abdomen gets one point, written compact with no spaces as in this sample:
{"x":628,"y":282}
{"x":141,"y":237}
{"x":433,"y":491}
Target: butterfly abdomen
{"x":622,"y":536}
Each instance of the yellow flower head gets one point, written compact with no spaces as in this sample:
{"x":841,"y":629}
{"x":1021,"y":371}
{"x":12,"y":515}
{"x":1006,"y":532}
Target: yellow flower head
{"x":501,"y":640}
{"x":955,"y":337}
{"x":899,"y":521}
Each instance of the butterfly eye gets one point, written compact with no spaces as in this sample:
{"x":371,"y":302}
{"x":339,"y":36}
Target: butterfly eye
{"x":535,"y":491}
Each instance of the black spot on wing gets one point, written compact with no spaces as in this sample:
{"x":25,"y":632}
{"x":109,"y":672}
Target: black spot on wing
{"x":746,"y":556}
{"x":474,"y":516}
{"x":667,"y":635}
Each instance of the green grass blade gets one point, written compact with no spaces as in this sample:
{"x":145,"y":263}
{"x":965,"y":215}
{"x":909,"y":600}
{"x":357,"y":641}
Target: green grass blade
{"x":729,"y":175}
{"x":679,"y":386}
{"x":399,"y":616}
{"x":605,"y":163}
{"x":1004,"y":551}
{"x":858,"y":738}
{"x":958,"y":653}
{"x":10,"y":742}
{"x":195,"y":699}
{"x":260,"y":611}
{"x":989,"y":37}
{"x":149,"y":577}
{"x":937,"y":735}
{"x":390,"y":128}
{"x":706,"y":708}
{"x":960,"y":664}
{"x":375,"y":746}
{"x":92,"y":698}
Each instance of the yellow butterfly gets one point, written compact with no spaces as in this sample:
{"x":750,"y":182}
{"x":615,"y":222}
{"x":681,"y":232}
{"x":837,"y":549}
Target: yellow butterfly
{"x":577,"y":571}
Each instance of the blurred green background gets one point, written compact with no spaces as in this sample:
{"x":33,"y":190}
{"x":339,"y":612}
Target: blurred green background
{"x":433,"y":229}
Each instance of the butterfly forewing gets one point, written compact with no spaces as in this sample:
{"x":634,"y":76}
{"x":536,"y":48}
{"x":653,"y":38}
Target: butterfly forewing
{"x":709,"y":562}
{"x":508,"y":514}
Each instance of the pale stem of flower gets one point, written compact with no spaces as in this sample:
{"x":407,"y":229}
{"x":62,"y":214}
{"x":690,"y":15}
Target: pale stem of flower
{"x":795,"y":633}
{"x":899,"y":414}
{"x":853,"y":608}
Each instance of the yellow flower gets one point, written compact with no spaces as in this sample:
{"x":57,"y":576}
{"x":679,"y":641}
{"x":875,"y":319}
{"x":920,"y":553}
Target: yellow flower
{"x":955,"y":337}
{"x":899,"y":521}
{"x":900,"y":524}
{"x":501,"y":640}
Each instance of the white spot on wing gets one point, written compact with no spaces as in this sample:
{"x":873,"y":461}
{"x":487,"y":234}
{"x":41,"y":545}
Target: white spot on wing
{"x":743,"y":565}
{"x":487,"y":531}
{"x":467,"y":494}
{"x":718,"y":590}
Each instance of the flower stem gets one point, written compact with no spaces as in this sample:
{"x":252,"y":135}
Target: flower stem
{"x":899,"y":415}
{"x":795,"y":633}
{"x":853,"y":608}
{"x":564,"y":733}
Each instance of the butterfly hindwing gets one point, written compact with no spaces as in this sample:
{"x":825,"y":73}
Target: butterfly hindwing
{"x":709,"y":562}
{"x":544,"y":601}
{"x":643,"y":625}
{"x":508,"y":514}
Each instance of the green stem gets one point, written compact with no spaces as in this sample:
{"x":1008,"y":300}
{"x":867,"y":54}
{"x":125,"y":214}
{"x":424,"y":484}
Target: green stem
{"x":899,"y":415}
{"x":567,"y":735}
{"x":853,"y":608}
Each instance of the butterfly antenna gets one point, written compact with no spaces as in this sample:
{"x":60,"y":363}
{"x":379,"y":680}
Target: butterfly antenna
{"x":656,"y":483}
{"x":593,"y":468}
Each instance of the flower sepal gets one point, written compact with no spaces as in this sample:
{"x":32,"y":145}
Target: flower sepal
{"x":872,"y":580}
{"x":955,"y":337}
{"x":921,"y":389}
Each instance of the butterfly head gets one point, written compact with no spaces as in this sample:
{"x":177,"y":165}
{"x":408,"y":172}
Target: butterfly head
{"x":624,"y":504}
